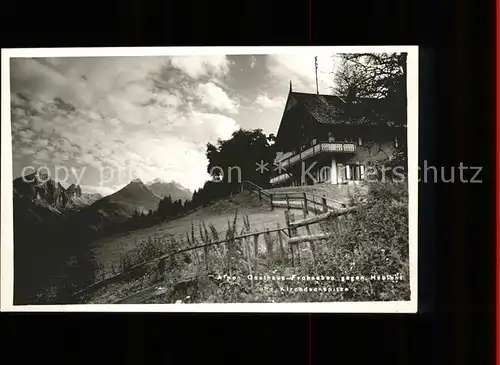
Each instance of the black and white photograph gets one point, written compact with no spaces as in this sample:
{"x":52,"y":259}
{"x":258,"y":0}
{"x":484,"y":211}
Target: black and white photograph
{"x":210,"y":179}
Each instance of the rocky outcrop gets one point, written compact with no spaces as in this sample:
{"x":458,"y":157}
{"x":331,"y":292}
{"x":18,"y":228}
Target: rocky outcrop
{"x":74,"y":191}
{"x":40,"y":189}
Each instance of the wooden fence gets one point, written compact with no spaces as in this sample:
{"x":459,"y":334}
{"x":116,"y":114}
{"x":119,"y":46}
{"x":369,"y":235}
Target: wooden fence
{"x":321,"y":207}
{"x":274,"y":249}
{"x":294,"y":200}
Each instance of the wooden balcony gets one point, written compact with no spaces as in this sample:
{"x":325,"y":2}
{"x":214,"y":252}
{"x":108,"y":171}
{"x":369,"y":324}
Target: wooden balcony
{"x":280,"y":178}
{"x":320,"y":147}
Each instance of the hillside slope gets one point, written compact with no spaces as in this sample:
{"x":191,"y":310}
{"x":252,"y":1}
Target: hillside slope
{"x":219,"y":213}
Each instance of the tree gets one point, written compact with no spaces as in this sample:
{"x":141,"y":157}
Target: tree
{"x":373,"y":88}
{"x":235,"y":159}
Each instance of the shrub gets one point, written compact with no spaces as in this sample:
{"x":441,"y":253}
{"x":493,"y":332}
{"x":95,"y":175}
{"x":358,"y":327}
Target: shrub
{"x":375,"y":243}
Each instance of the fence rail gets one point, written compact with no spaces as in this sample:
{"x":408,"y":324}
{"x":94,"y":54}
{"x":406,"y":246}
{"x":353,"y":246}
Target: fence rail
{"x":294,"y":199}
{"x":292,"y":242}
{"x":286,"y":236}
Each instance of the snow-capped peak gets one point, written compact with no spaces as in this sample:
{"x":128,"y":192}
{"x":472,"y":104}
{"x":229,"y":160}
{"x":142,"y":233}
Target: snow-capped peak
{"x":158,"y":180}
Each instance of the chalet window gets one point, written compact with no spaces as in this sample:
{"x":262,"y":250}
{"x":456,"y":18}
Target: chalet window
{"x":359,"y":172}
{"x":351,"y":172}
{"x":325,"y":175}
{"x":340,"y":173}
{"x":348,"y":175}
{"x":313,"y":142}
{"x":360,"y":141}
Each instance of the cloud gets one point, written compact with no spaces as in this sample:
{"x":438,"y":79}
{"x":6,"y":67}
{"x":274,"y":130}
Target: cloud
{"x":300,"y":69}
{"x":27,"y":151}
{"x":41,"y":143}
{"x":42,"y":155}
{"x":26,"y":134}
{"x":215,"y":98}
{"x":136,"y":114}
{"x":103,"y":190}
{"x":253,"y":61}
{"x":267,"y":103}
{"x":216,"y":125}
{"x":197,"y":66}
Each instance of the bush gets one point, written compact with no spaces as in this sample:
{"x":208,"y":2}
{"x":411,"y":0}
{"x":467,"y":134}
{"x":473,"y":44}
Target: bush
{"x":371,"y":243}
{"x":374,"y":243}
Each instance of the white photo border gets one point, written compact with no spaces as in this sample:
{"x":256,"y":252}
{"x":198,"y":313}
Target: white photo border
{"x":7,"y":242}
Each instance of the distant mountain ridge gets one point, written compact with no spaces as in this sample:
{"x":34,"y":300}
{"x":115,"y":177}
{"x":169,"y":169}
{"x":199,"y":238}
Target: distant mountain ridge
{"x":134,"y":196}
{"x":41,"y":199}
{"x":41,"y":190}
{"x":172,"y":188}
{"x":54,"y":222}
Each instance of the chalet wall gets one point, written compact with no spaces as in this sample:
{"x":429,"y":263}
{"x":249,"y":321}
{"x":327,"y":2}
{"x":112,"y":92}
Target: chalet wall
{"x":371,"y":151}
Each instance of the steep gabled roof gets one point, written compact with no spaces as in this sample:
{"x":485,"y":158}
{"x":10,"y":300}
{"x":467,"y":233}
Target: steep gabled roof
{"x":324,"y":108}
{"x":328,"y":111}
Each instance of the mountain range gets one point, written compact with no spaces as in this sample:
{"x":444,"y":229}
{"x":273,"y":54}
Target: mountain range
{"x":38,"y":198}
{"x":44,"y":191}
{"x":54,"y":224}
{"x":173,"y":189}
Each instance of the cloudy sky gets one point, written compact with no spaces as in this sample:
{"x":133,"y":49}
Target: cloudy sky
{"x":109,"y":120}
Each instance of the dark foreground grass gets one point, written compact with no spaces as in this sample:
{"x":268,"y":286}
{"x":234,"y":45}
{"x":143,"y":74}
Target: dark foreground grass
{"x":365,"y":259}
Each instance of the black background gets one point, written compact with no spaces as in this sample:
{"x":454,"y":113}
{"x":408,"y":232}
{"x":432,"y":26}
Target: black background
{"x":455,"y":323}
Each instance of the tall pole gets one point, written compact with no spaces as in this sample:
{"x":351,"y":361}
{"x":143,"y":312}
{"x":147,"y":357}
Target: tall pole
{"x":316,"y":72}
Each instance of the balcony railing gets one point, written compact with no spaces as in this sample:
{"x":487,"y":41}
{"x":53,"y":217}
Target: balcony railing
{"x":335,"y":147}
{"x":280,"y":178}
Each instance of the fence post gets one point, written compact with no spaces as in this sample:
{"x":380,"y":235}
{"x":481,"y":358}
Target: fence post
{"x":311,"y":243}
{"x":290,"y":247}
{"x":161,"y":268}
{"x":287,"y":220}
{"x":325,"y":207}
{"x":230,"y":248}
{"x":293,"y":233}
{"x":249,"y":260}
{"x":205,"y":253}
{"x":256,"y":244}
{"x":272,"y":205}
{"x":241,"y":187}
{"x":260,"y":194}
{"x":280,"y":240}
{"x":305,"y":203}
{"x":269,"y":246}
{"x":287,"y":202}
